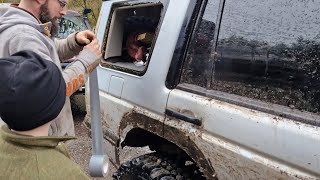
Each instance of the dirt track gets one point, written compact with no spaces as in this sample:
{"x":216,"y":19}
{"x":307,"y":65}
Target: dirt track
{"x":80,"y":149}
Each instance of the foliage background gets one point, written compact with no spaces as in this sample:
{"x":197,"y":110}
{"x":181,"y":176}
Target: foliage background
{"x":78,"y":5}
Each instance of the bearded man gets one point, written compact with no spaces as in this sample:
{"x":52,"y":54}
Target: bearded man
{"x":30,"y":25}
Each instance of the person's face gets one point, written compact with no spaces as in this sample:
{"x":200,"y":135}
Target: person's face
{"x":52,"y":10}
{"x":57,"y":8}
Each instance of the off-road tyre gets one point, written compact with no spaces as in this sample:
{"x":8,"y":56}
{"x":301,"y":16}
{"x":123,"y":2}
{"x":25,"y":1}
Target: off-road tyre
{"x":78,"y":104}
{"x":156,"y":166}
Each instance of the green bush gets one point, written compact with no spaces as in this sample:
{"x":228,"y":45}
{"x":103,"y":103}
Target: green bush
{"x":78,"y":5}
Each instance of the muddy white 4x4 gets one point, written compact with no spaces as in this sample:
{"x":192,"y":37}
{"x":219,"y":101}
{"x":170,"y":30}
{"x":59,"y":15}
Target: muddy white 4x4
{"x":229,"y":90}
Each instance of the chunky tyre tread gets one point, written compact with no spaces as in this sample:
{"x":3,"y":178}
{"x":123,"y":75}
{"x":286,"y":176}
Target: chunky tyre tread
{"x":155,"y":166}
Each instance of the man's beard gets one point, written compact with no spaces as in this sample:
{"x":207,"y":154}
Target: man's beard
{"x":45,"y":17}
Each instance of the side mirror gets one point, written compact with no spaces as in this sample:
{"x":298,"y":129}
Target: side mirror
{"x":86,"y":11}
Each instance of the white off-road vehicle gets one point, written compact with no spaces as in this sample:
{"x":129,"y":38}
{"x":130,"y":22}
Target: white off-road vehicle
{"x":227,"y":89}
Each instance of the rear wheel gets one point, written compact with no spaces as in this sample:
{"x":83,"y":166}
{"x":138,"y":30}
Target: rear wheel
{"x":157,"y":166}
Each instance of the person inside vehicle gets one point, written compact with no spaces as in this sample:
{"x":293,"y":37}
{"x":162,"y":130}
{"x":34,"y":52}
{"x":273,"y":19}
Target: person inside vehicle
{"x":31,"y":25}
{"x":137,"y":46}
{"x":32,"y":94}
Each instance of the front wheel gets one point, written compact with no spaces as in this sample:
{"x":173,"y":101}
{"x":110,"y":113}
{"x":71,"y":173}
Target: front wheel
{"x":156,"y":166}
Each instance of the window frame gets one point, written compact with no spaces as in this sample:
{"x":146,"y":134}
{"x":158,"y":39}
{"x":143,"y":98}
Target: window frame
{"x":104,"y":63}
{"x":195,"y":13}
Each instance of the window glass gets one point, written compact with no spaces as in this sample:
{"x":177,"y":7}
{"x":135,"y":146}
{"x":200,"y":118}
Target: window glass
{"x":197,"y":68}
{"x":269,"y":50}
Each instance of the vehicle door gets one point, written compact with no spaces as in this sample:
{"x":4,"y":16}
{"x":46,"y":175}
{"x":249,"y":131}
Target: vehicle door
{"x":249,"y":94}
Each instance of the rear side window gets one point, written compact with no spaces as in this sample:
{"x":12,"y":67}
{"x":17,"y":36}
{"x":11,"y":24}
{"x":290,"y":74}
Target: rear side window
{"x":269,"y":50}
{"x":131,"y":36}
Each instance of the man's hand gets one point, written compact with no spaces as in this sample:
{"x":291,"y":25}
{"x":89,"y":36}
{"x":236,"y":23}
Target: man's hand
{"x":94,"y":47}
{"x":90,"y":55}
{"x":85,"y":37}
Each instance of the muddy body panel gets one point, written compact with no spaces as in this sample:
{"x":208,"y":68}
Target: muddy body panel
{"x":251,"y":143}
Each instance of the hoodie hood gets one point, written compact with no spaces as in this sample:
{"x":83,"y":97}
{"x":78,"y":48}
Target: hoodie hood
{"x":11,"y":16}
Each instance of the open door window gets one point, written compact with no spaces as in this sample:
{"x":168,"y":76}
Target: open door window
{"x":131,"y":36}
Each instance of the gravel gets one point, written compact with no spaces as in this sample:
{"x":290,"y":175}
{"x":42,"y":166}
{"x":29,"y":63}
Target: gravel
{"x":80,"y":149}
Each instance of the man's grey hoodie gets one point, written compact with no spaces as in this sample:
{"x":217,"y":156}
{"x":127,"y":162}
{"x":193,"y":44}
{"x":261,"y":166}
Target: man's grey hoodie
{"x":20,"y":30}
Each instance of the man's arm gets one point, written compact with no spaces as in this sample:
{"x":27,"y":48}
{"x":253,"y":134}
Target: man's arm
{"x":73,"y":44}
{"x":74,"y":75}
{"x":67,"y":48}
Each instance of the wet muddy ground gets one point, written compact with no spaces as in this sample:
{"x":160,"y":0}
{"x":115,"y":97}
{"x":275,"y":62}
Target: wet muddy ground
{"x":80,"y":149}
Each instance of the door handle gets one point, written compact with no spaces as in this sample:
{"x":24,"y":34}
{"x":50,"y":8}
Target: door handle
{"x":186,"y":118}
